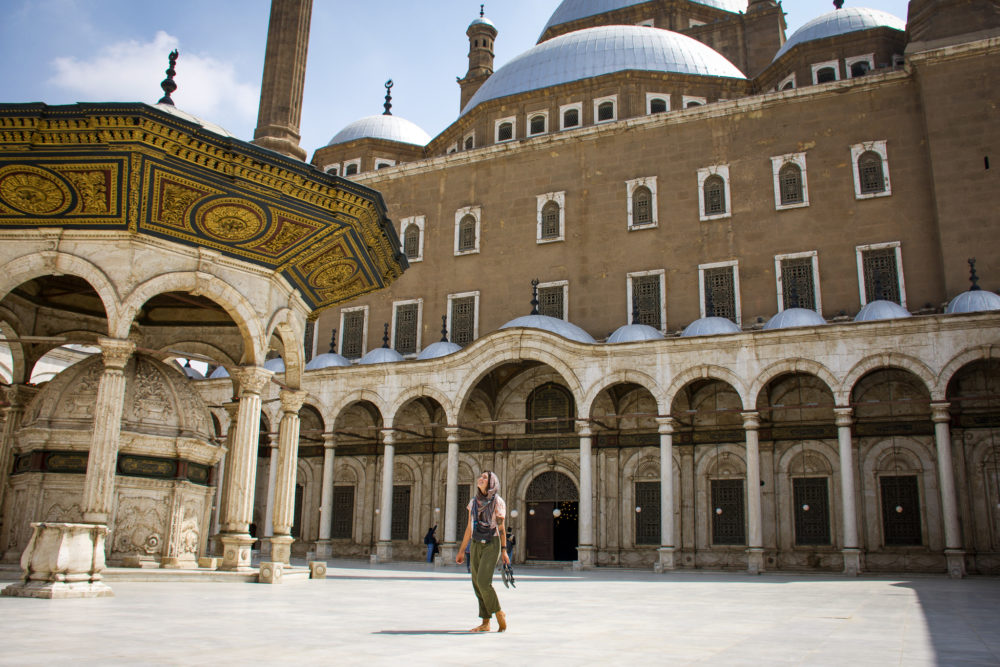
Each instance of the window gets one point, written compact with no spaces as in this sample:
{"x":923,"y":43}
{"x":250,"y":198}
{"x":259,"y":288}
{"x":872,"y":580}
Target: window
{"x":657,"y":103}
{"x":382,"y":163}
{"x":859,"y":65}
{"x":871,"y":170}
{"x":467,"y":230}
{"x":550,"y":409}
{"x":570,"y":115}
{"x":720,"y":290}
{"x":788,"y":83}
{"x":790,"y":184}
{"x":463,"y":317}
{"x":550,"y":217}
{"x":797,"y":277}
{"x":690,"y":101}
{"x":552,"y":299}
{"x":605,"y":109}
{"x":641,"y":202}
{"x":880,"y":273}
{"x":812,"y":510}
{"x":453,"y":148}
{"x":505,"y":129}
{"x":406,"y":326}
{"x":353,"y":332}
{"x":646,"y":289}
{"x":713,"y":184}
{"x":343,"y":513}
{"x":900,"y":511}
{"x":470,"y":142}
{"x":647,"y":516}
{"x":727,"y":512}
{"x":537,"y":124}
{"x":400,"y":513}
{"x":352,"y":168}
{"x":412,"y":233}
{"x":826,"y":72}
{"x":333,"y":169}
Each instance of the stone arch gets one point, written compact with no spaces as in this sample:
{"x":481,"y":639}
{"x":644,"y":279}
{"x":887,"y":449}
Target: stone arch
{"x":624,"y":376}
{"x":890,"y":360}
{"x":911,"y":456}
{"x":820,"y":458}
{"x":798,"y":365}
{"x":955,"y":364}
{"x":304,"y":476}
{"x":722,"y":460}
{"x":289,"y":330}
{"x":512,"y":399}
{"x":18,"y":367}
{"x":359,"y":396}
{"x":178,"y":348}
{"x":705,"y":372}
{"x":423,"y":391}
{"x":528,"y":474}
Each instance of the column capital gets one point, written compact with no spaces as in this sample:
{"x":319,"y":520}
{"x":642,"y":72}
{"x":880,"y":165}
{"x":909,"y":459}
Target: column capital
{"x":292,"y":400}
{"x":329,"y":441}
{"x":751,"y":420}
{"x":939,"y":412}
{"x":844,"y":416}
{"x":584,"y":430}
{"x":252,"y":379}
{"x":116,"y":351}
{"x":388,"y":436}
{"x":452,"y":432}
{"x":232,"y":409}
{"x":19,"y":395}
{"x":666,"y":424}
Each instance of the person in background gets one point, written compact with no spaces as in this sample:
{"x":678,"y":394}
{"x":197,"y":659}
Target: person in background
{"x":431,"y":541}
{"x":511,"y":543}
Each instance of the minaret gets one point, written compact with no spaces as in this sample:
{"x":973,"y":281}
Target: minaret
{"x":284,"y":78}
{"x":482,"y":33}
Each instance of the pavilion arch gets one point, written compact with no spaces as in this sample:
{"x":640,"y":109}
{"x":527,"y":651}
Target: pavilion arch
{"x":424,"y":391}
{"x":956,"y":363}
{"x":178,"y":348}
{"x":888,"y":360}
{"x":286,"y":326}
{"x":798,"y":366}
{"x":706,"y":372}
{"x":626,"y":376}
{"x":199,"y":284}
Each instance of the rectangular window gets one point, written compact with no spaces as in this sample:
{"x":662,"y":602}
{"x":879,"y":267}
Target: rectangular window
{"x":462,"y":329}
{"x":798,"y":289}
{"x":550,"y":302}
{"x":901,"y":511}
{"x":720,"y":292}
{"x":812,"y":510}
{"x":727,"y":525}
{"x":647,"y":295}
{"x":404,"y":336}
{"x":462,"y":516}
{"x":343,"y":513}
{"x":352,"y":334}
{"x":400,"y":513}
{"x":647,"y":516}
{"x":881,"y":275}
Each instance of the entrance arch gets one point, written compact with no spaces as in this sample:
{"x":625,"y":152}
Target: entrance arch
{"x":552,"y":525}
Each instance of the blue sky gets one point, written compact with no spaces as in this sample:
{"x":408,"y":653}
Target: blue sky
{"x":63,"y":51}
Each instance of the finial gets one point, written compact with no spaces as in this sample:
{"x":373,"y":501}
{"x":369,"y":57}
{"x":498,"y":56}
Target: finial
{"x":333,"y":341}
{"x":388,"y":98}
{"x":534,"y":297}
{"x":839,"y":4}
{"x":482,"y":10}
{"x":168,"y":84}
{"x":444,"y":328}
{"x":385,"y":336}
{"x":635,"y":311}
{"x":973,"y":278}
{"x":709,"y":303}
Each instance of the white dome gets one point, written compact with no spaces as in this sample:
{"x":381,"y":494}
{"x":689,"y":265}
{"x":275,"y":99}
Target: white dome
{"x":974,"y":301}
{"x":192,"y":373}
{"x":604,"y":50}
{"x":571,"y":10}
{"x":710,"y":326}
{"x":482,"y":20}
{"x":634,"y":333}
{"x":381,"y":355}
{"x":276,"y":365}
{"x":795,"y":317}
{"x":442,"y":348}
{"x":327,"y":360}
{"x":219,"y":373}
{"x":191,"y":118}
{"x":391,"y":128}
{"x":881,"y":310}
{"x":840,"y":22}
{"x":553,"y":325}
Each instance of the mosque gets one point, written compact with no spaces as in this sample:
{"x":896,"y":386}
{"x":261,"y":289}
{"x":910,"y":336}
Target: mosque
{"x":623,"y":293}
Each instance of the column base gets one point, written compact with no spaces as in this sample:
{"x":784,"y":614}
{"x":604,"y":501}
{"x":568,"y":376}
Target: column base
{"x":956,"y":563}
{"x":586,"y":558}
{"x":323,"y":549}
{"x":665,"y":559}
{"x":236,"y":551}
{"x":852,"y":562}
{"x":447,"y":554}
{"x":281,"y":548}
{"x":755,"y":560}
{"x":383,"y":552}
{"x":63,"y":560}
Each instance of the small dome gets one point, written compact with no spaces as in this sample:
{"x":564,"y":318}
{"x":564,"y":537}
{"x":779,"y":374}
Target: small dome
{"x":553,"y":325}
{"x":218,"y":373}
{"x":840,"y":22}
{"x":881,"y":310}
{"x":381,"y":355}
{"x":571,"y":10}
{"x":974,"y":301}
{"x":184,"y":115}
{"x":710,"y":326}
{"x":795,"y":317}
{"x":634,"y":333}
{"x":390,"y":128}
{"x":276,"y":365}
{"x":442,"y":348}
{"x":593,"y":52}
{"x":482,"y":20}
{"x":327,"y":360}
{"x":192,"y":373}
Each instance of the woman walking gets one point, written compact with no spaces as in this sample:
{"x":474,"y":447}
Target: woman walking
{"x":486,"y":530}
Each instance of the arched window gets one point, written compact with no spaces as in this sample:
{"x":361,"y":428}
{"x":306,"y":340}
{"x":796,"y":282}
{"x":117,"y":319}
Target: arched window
{"x":571,"y":118}
{"x":790,"y":179}
{"x":351,"y":169}
{"x":553,"y":402}
{"x":642,"y":209}
{"x":715,"y":195}
{"x":860,"y":68}
{"x":537,"y":124}
{"x":606,"y":111}
{"x":657,"y":105}
{"x":825,"y":75}
{"x":870,"y":173}
{"x":470,"y":143}
{"x":467,"y":233}
{"x":505,"y":132}
{"x":550,"y":220}
{"x":692,"y":104}
{"x":789,"y":85}
{"x":411,"y":241}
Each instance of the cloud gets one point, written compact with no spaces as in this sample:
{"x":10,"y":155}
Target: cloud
{"x":130,"y":71}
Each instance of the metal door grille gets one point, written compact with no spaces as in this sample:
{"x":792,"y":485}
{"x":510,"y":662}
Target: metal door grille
{"x":343,"y":513}
{"x":728,"y":526}
{"x":812,"y":510}
{"x":400,"y":513}
{"x":352,"y":342}
{"x":901,"y":511}
{"x":646,"y":293}
{"x":647,"y":516}
{"x":463,"y":314}
{"x":881,"y":275}
{"x":797,"y":287}
{"x":720,"y":293}
{"x":406,"y":328}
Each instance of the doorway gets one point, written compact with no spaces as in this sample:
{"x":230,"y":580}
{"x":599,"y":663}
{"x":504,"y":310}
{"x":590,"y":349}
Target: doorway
{"x":552,"y":526}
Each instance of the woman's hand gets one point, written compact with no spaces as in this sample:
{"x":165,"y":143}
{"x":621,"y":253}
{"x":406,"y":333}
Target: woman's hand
{"x":460,"y":558}
{"x":504,"y":557}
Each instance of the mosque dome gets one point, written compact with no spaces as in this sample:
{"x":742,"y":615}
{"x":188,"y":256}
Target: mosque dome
{"x":276,"y":365}
{"x":554,"y":325}
{"x":634,"y":333}
{"x":795,"y":317}
{"x":192,"y":373}
{"x":881,"y":310}
{"x":383,"y":126}
{"x":603,"y":50}
{"x":571,"y":10}
{"x":191,"y":118}
{"x":327,"y":360}
{"x":710,"y":326}
{"x":974,"y":301}
{"x":442,"y":348}
{"x":381,"y":355}
{"x":219,"y":373}
{"x":482,"y":20}
{"x":840,"y":22}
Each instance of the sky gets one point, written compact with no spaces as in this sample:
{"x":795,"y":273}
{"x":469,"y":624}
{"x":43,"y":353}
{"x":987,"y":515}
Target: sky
{"x":65,"y":51}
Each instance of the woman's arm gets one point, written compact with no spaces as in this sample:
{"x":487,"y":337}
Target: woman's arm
{"x":460,"y":557}
{"x":502,"y":529}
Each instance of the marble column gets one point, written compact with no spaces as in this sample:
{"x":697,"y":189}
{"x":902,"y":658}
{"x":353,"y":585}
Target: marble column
{"x":755,"y":532}
{"x":848,"y":497}
{"x":383,"y":549}
{"x":232,"y":410}
{"x":17,"y":396}
{"x":288,"y":461}
{"x":667,"y":545}
{"x":953,"y":548}
{"x":266,"y":531}
{"x":242,"y":470}
{"x":324,"y":545}
{"x":449,"y":550}
{"x":586,"y":554}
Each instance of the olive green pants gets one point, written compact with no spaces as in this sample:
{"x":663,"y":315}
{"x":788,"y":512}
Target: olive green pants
{"x":483,"y":559}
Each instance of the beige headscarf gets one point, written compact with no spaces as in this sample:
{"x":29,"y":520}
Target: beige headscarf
{"x":486,"y":503}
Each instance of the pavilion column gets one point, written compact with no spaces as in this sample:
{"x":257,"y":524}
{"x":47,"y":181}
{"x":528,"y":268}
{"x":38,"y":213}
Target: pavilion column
{"x":324,"y":545}
{"x":848,"y":506}
{"x":585,"y":550}
{"x":449,"y":550}
{"x":667,"y":540}
{"x":238,"y":494}
{"x":17,"y":396}
{"x":288,"y":460}
{"x":384,"y":546}
{"x":755,"y":543}
{"x":225,"y":464}
{"x":267,"y":530}
{"x":953,"y":549}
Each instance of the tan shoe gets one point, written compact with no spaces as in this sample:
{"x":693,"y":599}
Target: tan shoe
{"x":501,"y":621}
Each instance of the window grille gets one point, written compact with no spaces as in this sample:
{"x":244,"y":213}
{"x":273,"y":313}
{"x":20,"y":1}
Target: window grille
{"x":505,"y":132}
{"x":715,"y":195}
{"x":812,"y":511}
{"x":550,"y":220}
{"x":351,"y":170}
{"x":825,"y":75}
{"x":400,"y":513}
{"x":554,"y":486}
{"x":352,"y":342}
{"x":860,"y":68}
{"x":343,"y":513}
{"x":720,"y":292}
{"x":467,"y":233}
{"x":470,"y":143}
{"x":901,"y":511}
{"x":606,"y":111}
{"x":571,"y":118}
{"x":870,"y":173}
{"x":550,"y":302}
{"x":647,"y":521}
{"x":790,"y":179}
{"x":646,"y":294}
{"x":657,"y":105}
{"x":881,"y":275}
{"x":797,"y":287}
{"x":728,"y":525}
{"x":411,"y":241}
{"x":406,"y":328}
{"x":463,"y":320}
{"x":537,"y":124}
{"x":550,"y":401}
{"x":642,"y":206}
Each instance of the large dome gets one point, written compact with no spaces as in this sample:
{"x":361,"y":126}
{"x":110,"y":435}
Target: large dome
{"x":571,"y":10}
{"x":840,"y":22}
{"x":597,"y":51}
{"x":391,"y":128}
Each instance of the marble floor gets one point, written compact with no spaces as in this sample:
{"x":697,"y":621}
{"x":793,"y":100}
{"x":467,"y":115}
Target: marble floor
{"x":409,"y":612}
